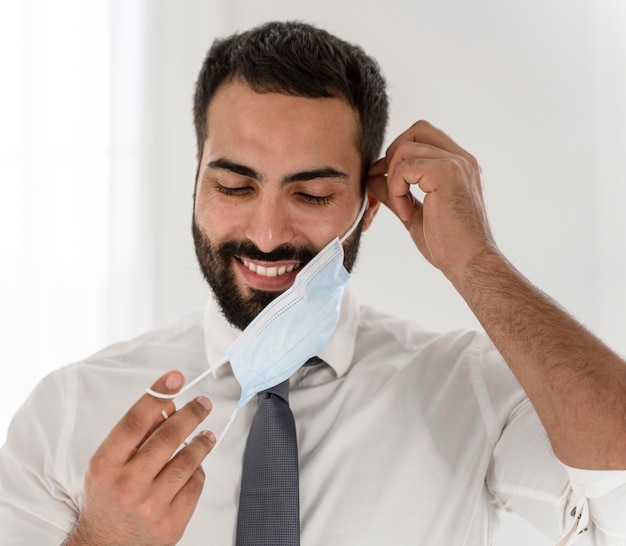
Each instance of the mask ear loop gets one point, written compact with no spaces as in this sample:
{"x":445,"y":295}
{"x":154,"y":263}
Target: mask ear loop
{"x":357,"y":220}
{"x":189,"y":385}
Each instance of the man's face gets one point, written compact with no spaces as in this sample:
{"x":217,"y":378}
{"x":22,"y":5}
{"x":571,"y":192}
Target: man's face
{"x":278,"y":179}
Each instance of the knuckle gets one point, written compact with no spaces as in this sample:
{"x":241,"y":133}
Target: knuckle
{"x":420,"y":124}
{"x":416,"y":162}
{"x":405,"y":150}
{"x":454,"y":168}
{"x":133,"y":422}
{"x":123,"y":492}
{"x":185,"y":460}
{"x":169,"y":435}
{"x":184,"y":467}
{"x":473,"y":161}
{"x":149,"y":512}
{"x":125,"y":487}
{"x":195,"y":484}
{"x":97,"y":469}
{"x":469,"y":164}
{"x":193,"y":487}
{"x":177,"y":475}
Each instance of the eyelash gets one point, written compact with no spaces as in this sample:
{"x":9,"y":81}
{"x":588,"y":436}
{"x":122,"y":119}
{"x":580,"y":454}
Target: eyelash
{"x":232,"y":191}
{"x":316,"y":199}
{"x":311,"y":199}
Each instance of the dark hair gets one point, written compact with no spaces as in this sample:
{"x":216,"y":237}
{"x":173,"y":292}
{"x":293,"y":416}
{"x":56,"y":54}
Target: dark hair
{"x":298,"y":59}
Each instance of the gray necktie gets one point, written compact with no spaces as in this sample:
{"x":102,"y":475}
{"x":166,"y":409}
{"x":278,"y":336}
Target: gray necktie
{"x":269,"y":502}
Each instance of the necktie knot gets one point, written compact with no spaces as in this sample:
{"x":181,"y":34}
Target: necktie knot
{"x":281,"y":390}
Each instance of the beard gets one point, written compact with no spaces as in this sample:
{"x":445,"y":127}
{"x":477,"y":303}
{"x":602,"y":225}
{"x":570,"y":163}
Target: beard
{"x":216,"y":264}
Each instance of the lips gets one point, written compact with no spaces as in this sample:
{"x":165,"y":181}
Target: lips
{"x":270,"y":271}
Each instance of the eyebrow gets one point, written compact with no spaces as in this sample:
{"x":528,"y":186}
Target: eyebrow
{"x":224,"y":164}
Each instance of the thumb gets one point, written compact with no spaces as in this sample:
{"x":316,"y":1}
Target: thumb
{"x":403,"y":206}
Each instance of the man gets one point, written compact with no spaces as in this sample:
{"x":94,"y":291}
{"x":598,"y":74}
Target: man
{"x":404,"y":436}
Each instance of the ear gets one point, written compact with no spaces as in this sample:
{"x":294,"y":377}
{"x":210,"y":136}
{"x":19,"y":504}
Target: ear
{"x":373,"y":205}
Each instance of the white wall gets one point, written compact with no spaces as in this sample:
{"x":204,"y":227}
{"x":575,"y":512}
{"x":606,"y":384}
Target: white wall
{"x":534,"y":89}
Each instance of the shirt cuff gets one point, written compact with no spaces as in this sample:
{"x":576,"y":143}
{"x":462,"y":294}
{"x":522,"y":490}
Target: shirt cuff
{"x":600,"y":497}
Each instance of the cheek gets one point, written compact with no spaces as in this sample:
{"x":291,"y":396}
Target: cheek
{"x":319,"y":230}
{"x":214,"y":219}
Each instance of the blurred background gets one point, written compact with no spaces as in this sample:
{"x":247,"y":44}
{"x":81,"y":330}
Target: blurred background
{"x":97,"y":160}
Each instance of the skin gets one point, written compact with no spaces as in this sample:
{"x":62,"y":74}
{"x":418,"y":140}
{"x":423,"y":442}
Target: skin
{"x":576,"y":384}
{"x":133,"y":493}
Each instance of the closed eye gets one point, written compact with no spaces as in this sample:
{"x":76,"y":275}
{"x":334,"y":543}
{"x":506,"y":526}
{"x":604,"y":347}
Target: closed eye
{"x":316,"y":199}
{"x":226,"y":190}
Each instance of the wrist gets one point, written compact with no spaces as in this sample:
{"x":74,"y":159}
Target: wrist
{"x":477,"y":271}
{"x":80,"y":537}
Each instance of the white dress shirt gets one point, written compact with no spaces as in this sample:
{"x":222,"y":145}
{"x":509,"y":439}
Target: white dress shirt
{"x":405,"y":437}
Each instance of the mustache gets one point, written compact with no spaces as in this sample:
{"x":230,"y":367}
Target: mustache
{"x":247,"y":249}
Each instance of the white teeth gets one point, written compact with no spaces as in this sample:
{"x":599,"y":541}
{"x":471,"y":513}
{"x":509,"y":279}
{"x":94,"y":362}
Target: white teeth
{"x":269,"y":271}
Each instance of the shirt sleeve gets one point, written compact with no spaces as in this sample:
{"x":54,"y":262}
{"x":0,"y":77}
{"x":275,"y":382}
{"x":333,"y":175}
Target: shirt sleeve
{"x":572,"y":506}
{"x":35,"y":507}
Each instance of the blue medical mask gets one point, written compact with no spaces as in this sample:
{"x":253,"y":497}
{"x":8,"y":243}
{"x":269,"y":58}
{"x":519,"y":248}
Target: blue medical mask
{"x":292,"y":328}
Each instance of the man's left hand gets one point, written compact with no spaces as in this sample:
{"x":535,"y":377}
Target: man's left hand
{"x":450,"y":225}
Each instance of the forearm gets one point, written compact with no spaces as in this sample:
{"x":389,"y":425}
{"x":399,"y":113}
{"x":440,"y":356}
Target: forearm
{"x":575,"y":382}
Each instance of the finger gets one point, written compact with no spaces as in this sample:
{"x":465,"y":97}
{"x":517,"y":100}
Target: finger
{"x":426,"y":174}
{"x":138,"y":422}
{"x":408,"y":150}
{"x":377,"y":187}
{"x":165,"y":414}
{"x":401,"y":203}
{"x":378,"y":168}
{"x":424,"y":133}
{"x":177,"y":472}
{"x":184,"y":503}
{"x":167,"y":438}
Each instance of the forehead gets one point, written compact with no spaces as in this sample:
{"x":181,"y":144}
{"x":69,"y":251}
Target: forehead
{"x":278,"y":124}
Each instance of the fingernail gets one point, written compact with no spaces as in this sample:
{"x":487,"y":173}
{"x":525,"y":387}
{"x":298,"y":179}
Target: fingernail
{"x":209,"y":435}
{"x":173,"y":381}
{"x":204,"y":402}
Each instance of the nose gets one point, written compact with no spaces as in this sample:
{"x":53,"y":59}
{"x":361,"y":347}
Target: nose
{"x":269,"y":224}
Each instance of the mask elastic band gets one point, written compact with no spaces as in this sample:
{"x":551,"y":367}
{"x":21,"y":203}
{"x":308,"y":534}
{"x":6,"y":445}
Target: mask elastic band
{"x":359,"y":217}
{"x":189,"y":385}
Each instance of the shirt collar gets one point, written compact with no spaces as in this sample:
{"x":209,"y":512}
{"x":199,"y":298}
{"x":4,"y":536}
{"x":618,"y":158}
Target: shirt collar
{"x":219,"y":335}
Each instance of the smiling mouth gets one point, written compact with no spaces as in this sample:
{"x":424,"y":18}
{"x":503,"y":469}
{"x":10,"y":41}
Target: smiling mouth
{"x":274,"y":271}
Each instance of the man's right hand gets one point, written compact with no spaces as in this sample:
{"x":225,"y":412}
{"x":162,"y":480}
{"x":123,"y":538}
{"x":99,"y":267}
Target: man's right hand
{"x":135,"y":492}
